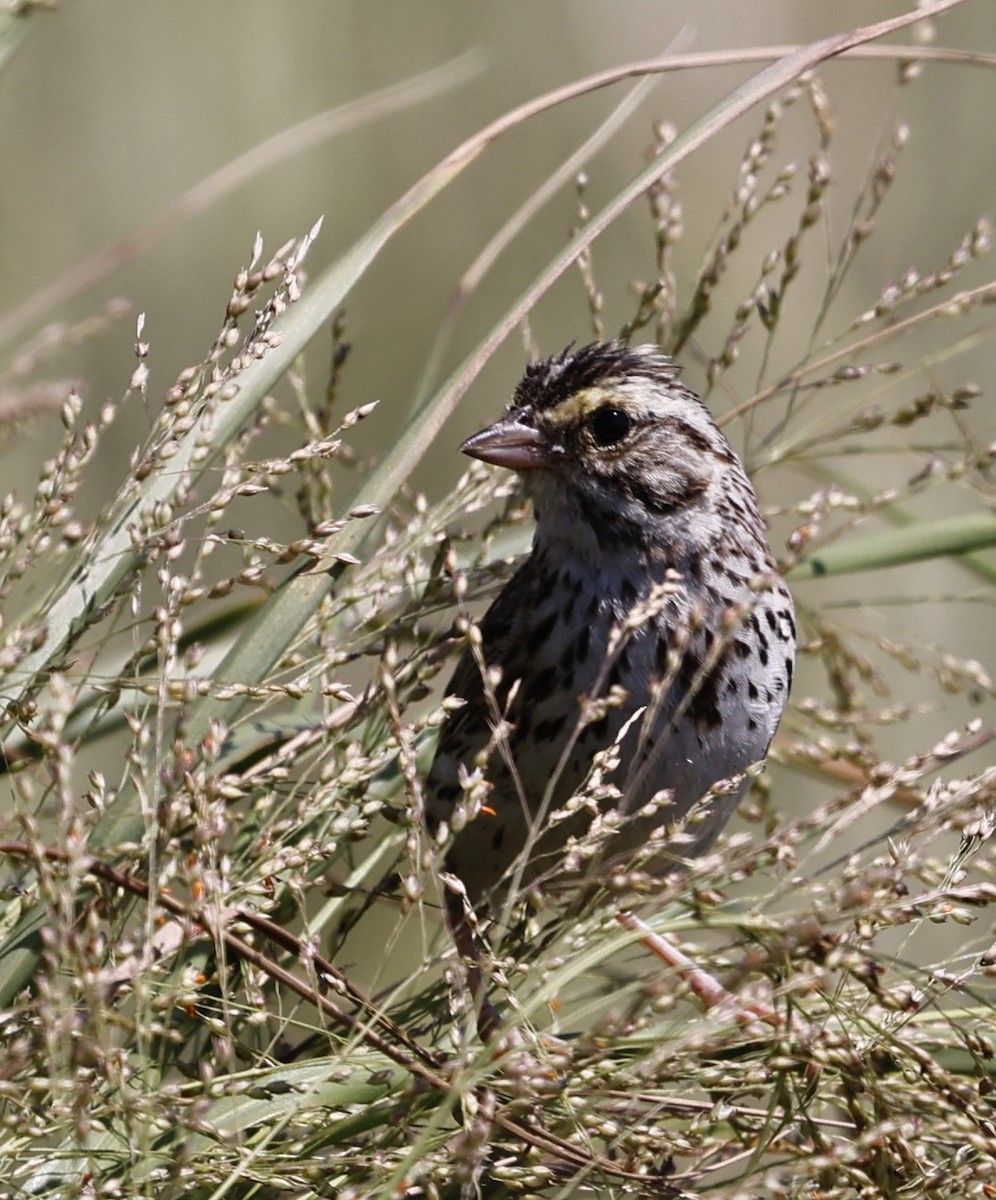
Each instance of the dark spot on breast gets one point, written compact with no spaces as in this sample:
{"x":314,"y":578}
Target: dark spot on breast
{"x":660,"y":655}
{"x":569,"y":684}
{"x":595,"y":518}
{"x":733,"y":503}
{"x":752,"y":692}
{"x":700,"y":690}
{"x":494,"y":628}
{"x":523,"y":727}
{"x":583,"y":644}
{"x":742,"y":648}
{"x":549,"y":729}
{"x":789,"y":668}
{"x":542,"y":683}
{"x":540,"y":634}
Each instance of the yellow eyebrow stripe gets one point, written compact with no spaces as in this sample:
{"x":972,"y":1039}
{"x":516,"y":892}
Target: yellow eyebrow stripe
{"x":576,"y":407}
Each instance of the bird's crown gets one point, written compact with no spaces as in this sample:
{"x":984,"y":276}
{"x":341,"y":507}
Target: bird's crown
{"x":552,"y":381}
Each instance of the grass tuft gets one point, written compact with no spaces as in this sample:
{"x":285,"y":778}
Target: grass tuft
{"x":224,"y":969}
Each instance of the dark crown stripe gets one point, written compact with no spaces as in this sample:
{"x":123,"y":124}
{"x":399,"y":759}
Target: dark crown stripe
{"x":553,"y":380}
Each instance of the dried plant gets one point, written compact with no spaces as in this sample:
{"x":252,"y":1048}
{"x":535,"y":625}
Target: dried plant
{"x":215,"y":741}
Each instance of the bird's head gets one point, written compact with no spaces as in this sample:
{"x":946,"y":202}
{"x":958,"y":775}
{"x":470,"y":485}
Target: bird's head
{"x":607,"y":439}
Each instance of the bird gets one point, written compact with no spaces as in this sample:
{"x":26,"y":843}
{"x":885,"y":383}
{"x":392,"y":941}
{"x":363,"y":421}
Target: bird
{"x":635,"y":664}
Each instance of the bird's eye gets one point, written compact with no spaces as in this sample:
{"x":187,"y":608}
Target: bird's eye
{"x":609,"y":425}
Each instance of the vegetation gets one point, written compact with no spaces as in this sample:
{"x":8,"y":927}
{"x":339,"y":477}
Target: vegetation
{"x":214,"y":739}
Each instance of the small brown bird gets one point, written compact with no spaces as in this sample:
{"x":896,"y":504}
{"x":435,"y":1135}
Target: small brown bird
{"x":649,"y":615}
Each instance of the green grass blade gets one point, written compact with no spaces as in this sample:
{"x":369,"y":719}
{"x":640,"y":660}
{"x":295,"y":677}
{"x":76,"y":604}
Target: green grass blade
{"x":14,"y":26}
{"x":894,"y":547}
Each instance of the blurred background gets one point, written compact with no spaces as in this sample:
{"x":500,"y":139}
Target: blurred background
{"x":113,"y":111}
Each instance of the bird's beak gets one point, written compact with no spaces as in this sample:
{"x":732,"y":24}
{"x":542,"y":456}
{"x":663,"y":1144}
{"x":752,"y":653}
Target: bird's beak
{"x":510,"y":442}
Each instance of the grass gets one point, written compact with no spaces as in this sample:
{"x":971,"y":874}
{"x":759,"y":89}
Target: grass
{"x":215,"y":745}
